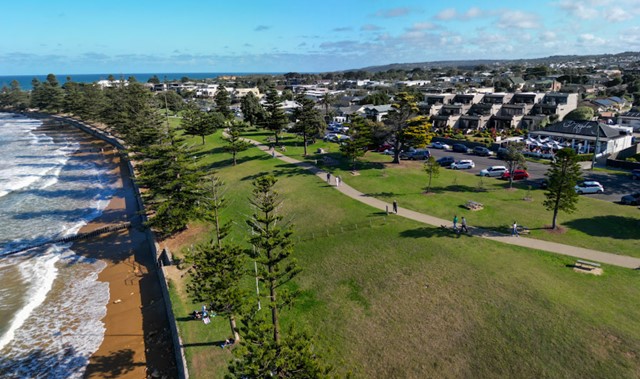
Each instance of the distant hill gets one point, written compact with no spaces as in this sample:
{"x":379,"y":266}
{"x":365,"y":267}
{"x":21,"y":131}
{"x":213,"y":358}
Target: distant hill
{"x":621,"y":59}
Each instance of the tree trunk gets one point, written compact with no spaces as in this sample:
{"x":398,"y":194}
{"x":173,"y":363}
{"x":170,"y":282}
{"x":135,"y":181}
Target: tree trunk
{"x":234,"y":329}
{"x":274,"y":309}
{"x":202,"y":139}
{"x":555,"y":218}
{"x":304,"y":139}
{"x":396,"y":157}
{"x":234,"y":158}
{"x":276,"y":134}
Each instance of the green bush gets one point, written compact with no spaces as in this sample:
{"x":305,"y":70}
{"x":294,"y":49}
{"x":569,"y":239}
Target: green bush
{"x":584,"y":157}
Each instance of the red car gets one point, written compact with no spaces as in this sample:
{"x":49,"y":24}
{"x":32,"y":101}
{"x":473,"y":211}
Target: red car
{"x":517,"y":175}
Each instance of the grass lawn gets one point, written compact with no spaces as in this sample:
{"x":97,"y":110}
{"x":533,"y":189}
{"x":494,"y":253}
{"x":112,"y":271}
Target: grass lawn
{"x":389,"y":297}
{"x":597,"y":224}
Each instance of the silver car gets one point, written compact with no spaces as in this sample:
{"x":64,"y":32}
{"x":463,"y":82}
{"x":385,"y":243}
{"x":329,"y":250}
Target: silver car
{"x":589,"y":187}
{"x":463,"y":164}
{"x":496,"y":171}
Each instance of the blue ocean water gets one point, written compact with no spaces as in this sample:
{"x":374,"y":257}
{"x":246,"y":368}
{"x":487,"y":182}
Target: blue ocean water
{"x":25,"y":80}
{"x":51,"y":303}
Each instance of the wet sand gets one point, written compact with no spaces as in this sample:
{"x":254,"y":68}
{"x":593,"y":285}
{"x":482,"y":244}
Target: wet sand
{"x":137,"y":341}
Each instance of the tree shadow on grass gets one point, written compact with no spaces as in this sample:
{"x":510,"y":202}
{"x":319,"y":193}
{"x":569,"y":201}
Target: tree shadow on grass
{"x":456,"y":188}
{"x":617,"y":227}
{"x":432,"y":232}
{"x":285,"y":171}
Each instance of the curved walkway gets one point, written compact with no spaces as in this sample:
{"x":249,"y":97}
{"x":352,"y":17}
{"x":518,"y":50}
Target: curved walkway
{"x":553,"y":247}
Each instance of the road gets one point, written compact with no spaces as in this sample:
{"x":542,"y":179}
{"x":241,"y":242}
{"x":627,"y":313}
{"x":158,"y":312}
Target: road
{"x":615,"y":186}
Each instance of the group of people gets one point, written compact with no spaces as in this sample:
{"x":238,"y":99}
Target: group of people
{"x":463,"y":224}
{"x":202,"y":315}
{"x":337,"y":179}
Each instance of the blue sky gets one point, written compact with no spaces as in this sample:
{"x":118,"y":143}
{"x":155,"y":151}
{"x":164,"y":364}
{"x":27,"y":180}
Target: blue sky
{"x":94,"y":36}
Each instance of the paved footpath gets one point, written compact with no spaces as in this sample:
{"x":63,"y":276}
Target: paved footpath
{"x":573,"y":251}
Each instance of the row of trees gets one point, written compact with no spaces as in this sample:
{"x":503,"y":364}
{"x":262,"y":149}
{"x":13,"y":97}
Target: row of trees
{"x":217,"y":273}
{"x":176,"y":190}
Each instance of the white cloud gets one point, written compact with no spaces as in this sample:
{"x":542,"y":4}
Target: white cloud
{"x":392,"y":13}
{"x":422,"y":26}
{"x":370,"y":28}
{"x":588,"y":39}
{"x":518,"y":20}
{"x":452,"y":14}
{"x":447,"y":14}
{"x":617,"y":14}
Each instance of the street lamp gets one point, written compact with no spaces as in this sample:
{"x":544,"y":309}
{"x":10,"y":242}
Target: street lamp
{"x":595,"y":151}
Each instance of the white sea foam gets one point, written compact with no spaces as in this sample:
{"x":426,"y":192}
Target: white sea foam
{"x":66,"y":328}
{"x":57,"y":326}
{"x":40,"y":274}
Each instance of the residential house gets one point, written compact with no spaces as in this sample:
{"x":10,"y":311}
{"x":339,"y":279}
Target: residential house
{"x":554,"y":103}
{"x":630,"y":119}
{"x":435,"y":101}
{"x":376,"y":112}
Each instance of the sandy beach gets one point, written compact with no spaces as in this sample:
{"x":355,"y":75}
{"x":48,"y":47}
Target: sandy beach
{"x":137,"y":341}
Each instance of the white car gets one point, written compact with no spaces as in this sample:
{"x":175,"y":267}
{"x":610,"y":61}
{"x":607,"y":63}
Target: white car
{"x":496,"y":171}
{"x":463,"y":164}
{"x":589,"y":187}
{"x":440,"y":145}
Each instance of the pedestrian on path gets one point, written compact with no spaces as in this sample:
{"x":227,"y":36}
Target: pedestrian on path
{"x":514,"y":230}
{"x":328,"y":178}
{"x":273,"y":153}
{"x":395,"y":206}
{"x":337,"y":181}
{"x":463,"y":225}
{"x":455,"y":222}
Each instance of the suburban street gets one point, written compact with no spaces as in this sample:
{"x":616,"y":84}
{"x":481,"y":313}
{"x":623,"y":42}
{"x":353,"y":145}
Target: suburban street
{"x":615,"y":186}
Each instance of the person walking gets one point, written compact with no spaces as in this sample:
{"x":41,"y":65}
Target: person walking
{"x":337,"y":181}
{"x":395,"y":206}
{"x":455,"y":222}
{"x":328,"y":178}
{"x":463,"y":225}
{"x":514,"y":230}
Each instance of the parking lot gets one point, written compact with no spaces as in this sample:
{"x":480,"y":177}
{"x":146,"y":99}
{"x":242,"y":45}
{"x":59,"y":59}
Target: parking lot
{"x":615,"y":186}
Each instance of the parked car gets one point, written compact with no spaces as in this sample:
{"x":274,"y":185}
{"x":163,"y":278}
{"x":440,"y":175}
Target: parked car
{"x":589,"y":187}
{"x":502,"y":153}
{"x":383,"y":147}
{"x":541,"y":183}
{"x":463,"y":164}
{"x":482,"y":151}
{"x":415,"y":154}
{"x":632,"y":199}
{"x":445,"y":161}
{"x":419,"y":154}
{"x":440,"y":145}
{"x":493,"y":171}
{"x":517,"y":174}
{"x":460,"y":148}
{"x":635,"y":174}
{"x":335,"y":137}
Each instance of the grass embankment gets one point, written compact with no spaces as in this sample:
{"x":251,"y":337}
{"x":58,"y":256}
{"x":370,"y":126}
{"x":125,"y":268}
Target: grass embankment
{"x":401,"y":299}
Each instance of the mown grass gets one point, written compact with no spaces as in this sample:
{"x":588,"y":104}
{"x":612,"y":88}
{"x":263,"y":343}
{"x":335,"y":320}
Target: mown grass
{"x":597,"y":224}
{"x":394,"y":298}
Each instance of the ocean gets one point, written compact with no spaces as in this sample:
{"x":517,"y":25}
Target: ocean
{"x":25,"y":80}
{"x":51,"y":303}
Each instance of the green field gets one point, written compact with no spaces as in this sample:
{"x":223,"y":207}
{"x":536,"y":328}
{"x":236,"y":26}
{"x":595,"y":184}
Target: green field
{"x":389,"y":297}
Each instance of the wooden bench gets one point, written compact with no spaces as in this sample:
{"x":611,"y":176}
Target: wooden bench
{"x":587,"y":265}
